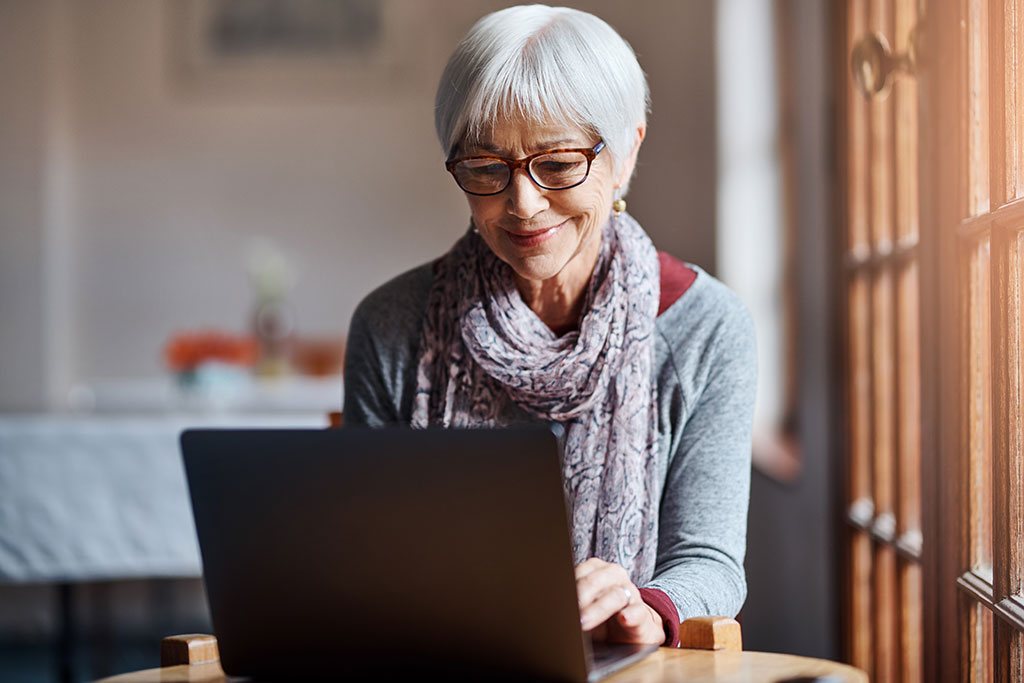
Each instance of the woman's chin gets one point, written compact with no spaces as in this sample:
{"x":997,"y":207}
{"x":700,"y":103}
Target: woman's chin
{"x":537,"y":268}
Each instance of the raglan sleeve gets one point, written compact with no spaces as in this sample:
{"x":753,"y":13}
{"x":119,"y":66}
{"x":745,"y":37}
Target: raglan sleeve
{"x":703,"y":513}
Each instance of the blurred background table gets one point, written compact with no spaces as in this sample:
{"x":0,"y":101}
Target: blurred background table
{"x":99,"y":496}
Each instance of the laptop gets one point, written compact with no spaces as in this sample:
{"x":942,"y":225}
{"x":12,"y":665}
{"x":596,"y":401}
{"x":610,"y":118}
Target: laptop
{"x":390,"y":552}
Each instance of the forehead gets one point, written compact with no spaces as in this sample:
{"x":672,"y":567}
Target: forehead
{"x":520,"y":137}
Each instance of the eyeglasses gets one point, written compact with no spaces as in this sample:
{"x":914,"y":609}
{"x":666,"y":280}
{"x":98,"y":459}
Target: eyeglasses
{"x":553,"y":169}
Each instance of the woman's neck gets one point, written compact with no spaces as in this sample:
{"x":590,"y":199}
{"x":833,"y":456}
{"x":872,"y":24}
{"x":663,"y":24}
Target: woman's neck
{"x":558,"y":301}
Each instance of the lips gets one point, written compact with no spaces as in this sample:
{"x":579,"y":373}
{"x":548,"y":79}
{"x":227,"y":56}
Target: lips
{"x":535,"y":237}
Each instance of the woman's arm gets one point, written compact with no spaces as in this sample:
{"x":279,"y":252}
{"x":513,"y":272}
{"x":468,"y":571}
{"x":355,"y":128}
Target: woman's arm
{"x":703,"y":516}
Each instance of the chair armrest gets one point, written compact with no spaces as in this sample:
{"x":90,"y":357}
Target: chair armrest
{"x":711,"y":633}
{"x":190,"y":648}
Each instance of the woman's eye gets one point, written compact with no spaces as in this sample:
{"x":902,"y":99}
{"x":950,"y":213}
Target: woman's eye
{"x":556,"y":166}
{"x":490,"y":169}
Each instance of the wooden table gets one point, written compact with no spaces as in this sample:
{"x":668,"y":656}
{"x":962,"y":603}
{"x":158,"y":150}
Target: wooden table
{"x":664,"y":665}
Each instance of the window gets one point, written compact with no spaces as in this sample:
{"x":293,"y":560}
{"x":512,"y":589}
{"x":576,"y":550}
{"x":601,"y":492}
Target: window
{"x":933,"y":265}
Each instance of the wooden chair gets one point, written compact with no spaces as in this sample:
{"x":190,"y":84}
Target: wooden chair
{"x":699,"y":633}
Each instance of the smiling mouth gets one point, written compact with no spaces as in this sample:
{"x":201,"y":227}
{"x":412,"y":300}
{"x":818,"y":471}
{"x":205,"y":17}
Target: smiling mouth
{"x":530,"y":239}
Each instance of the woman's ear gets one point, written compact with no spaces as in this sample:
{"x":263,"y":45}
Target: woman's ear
{"x":626,"y":171}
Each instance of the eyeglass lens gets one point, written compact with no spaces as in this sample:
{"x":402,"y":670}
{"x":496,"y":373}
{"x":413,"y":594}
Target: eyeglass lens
{"x":554,"y":171}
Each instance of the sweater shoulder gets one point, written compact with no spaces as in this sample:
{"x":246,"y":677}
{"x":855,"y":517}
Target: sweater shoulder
{"x":708,"y":331}
{"x":707,"y":307}
{"x":396,"y":307}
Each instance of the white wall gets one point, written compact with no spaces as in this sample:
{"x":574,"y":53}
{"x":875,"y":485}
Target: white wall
{"x":22,"y":204}
{"x":127,"y":201}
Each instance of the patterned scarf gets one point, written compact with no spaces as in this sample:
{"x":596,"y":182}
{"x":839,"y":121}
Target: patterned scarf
{"x":482,"y":346}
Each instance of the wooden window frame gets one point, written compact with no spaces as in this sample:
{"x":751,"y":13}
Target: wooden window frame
{"x":972,"y":506}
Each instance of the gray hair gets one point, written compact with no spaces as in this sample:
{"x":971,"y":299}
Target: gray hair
{"x":541,"y":63}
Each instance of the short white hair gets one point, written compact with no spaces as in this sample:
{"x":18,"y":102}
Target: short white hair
{"x":541,"y":63}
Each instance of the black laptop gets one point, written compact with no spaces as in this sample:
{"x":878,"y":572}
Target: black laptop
{"x":390,"y":553}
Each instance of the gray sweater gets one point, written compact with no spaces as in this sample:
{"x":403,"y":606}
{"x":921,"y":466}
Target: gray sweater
{"x":705,"y":368}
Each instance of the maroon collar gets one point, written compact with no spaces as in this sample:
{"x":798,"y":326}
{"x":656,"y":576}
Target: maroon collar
{"x":676,"y":278}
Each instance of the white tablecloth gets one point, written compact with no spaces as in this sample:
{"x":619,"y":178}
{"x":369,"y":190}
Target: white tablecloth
{"x":102,"y":497}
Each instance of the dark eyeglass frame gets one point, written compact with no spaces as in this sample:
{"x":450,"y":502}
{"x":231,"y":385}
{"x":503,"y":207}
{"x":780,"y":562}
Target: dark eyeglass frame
{"x":513,"y":164}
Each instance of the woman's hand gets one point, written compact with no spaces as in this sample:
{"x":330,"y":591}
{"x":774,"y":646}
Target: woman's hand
{"x":611,"y":607}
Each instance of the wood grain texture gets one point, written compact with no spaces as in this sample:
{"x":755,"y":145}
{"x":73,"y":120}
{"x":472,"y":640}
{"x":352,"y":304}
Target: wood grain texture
{"x":882,"y":186}
{"x":1009,"y":653}
{"x":1013,"y":102}
{"x":911,"y":651}
{"x":189,"y":649}
{"x":711,"y":633}
{"x":667,"y":664}
{"x":1008,"y":421}
{"x":978,"y":662}
{"x":861,"y":643}
{"x":908,"y":403}
{"x":1000,"y":155}
{"x":945,"y":202}
{"x":857,"y":115}
{"x":980,"y":226}
{"x":905,"y":130}
{"x":886,"y":613}
{"x":977,"y":90}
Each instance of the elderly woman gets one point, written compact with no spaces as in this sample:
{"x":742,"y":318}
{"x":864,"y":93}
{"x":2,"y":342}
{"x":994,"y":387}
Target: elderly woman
{"x":555,"y":306}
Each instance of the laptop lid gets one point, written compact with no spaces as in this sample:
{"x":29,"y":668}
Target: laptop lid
{"x":328,"y":551}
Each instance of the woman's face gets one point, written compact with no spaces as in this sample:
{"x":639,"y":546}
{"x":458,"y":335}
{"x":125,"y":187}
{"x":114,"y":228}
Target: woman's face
{"x":539,"y":232}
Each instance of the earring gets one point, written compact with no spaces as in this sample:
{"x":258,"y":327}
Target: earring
{"x":618,"y":206}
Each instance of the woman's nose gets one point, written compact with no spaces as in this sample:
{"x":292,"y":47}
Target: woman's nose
{"x":525,"y":199}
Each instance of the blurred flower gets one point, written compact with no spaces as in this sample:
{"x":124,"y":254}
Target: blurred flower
{"x":270,"y":271}
{"x":186,"y":351}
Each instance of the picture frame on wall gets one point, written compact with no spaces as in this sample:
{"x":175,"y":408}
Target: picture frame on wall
{"x":306,"y":49}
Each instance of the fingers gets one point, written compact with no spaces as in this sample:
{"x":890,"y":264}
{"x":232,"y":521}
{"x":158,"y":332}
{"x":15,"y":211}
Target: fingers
{"x":638,"y":623}
{"x":633,"y":615}
{"x":611,"y":607}
{"x":596,"y":576}
{"x":603,"y":589}
{"x":588,"y":567}
{"x":605,"y":605}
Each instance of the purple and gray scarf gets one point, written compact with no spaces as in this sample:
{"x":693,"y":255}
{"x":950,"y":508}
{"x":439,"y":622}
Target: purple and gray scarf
{"x":483,"y":346}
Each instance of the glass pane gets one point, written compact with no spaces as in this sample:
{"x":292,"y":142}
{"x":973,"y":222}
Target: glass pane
{"x":905,"y":105}
{"x":977,"y":105}
{"x":979,"y":425}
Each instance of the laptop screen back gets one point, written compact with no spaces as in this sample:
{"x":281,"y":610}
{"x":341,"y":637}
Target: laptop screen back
{"x":419,"y":550}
